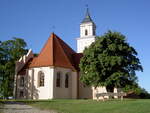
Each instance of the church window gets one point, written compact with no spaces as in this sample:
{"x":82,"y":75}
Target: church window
{"x":21,"y":94}
{"x":86,"y":32}
{"x":58,"y":79}
{"x":22,"y":81}
{"x":41,"y":79}
{"x":67,"y":81}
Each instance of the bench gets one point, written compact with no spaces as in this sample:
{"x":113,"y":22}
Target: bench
{"x":110,"y":94}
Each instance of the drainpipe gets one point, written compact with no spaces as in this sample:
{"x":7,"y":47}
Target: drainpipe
{"x":15,"y":85}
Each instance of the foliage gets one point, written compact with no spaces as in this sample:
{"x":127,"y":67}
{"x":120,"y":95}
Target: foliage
{"x":109,"y":61}
{"x":137,"y":90}
{"x":36,"y":54}
{"x":144,"y":94}
{"x":10,"y":51}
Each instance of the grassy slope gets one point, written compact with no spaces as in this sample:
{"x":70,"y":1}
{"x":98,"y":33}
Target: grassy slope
{"x":90,"y":106}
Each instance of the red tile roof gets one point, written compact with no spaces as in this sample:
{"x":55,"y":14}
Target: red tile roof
{"x":76,"y":59}
{"x":26,"y":66}
{"x":57,"y":53}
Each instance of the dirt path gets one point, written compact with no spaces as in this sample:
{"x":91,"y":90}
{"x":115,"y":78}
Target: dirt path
{"x":15,"y":107}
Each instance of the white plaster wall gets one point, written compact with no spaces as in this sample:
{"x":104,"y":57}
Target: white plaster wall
{"x":84,"y":42}
{"x":62,"y":92}
{"x":117,"y":90}
{"x":30,"y":83}
{"x":19,"y":88}
{"x":99,"y":90}
{"x":74,"y":85}
{"x":19,"y":65}
{"x":49,"y":91}
{"x":45,"y":92}
{"x":90,"y":27}
{"x":22,"y":88}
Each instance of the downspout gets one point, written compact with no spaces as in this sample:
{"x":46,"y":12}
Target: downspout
{"x":77,"y":84}
{"x":32,"y":80}
{"x":15,"y":85}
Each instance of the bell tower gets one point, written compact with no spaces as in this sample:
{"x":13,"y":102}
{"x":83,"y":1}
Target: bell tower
{"x":87,"y":33}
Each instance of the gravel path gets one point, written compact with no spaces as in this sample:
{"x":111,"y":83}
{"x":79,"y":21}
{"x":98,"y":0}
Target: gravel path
{"x":15,"y":107}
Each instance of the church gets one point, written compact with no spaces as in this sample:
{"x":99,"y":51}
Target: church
{"x":55,"y":72}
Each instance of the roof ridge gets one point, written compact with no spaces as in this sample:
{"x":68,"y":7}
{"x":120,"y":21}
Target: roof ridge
{"x":52,"y":35}
{"x":37,"y":61}
{"x":44,"y":46}
{"x":65,"y":43}
{"x":68,"y":59}
{"x":52,"y":42}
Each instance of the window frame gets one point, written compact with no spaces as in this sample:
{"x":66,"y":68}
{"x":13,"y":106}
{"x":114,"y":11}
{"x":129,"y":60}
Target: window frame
{"x":66,"y":80}
{"x":21,"y":94}
{"x":58,"y":79}
{"x":86,"y":32}
{"x":22,"y":81}
{"x":41,"y":79}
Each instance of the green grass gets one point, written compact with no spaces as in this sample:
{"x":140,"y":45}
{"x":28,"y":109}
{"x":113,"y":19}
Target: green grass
{"x":1,"y":103}
{"x":1,"y":106}
{"x":90,"y":106}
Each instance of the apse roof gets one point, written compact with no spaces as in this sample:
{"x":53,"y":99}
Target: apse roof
{"x":56,"y":53}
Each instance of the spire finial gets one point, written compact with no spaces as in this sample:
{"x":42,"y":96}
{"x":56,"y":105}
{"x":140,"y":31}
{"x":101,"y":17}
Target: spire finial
{"x":53,"y":28}
{"x":87,"y":6}
{"x":87,"y":16}
{"x":87,"y":10}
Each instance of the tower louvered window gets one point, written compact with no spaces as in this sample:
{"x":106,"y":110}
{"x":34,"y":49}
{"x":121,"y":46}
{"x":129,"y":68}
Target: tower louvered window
{"x":86,"y":32}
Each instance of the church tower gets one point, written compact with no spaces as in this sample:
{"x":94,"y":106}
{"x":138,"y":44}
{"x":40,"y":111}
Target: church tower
{"x":87,"y":33}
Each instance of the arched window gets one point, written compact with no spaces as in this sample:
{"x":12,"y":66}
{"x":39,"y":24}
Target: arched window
{"x":41,"y":79}
{"x":58,"y":79}
{"x":21,"y":94}
{"x":86,"y":32}
{"x":22,"y":81}
{"x":67,"y":81}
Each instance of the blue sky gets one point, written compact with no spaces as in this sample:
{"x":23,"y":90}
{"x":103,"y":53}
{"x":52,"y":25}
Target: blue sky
{"x":33,"y":20}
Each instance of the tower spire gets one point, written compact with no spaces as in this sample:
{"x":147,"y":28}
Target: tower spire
{"x":87,"y":32}
{"x":87,"y":16}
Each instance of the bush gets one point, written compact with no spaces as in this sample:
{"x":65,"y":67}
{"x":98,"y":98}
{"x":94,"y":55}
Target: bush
{"x":137,"y":90}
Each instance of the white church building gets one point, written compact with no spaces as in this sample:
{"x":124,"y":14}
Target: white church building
{"x":55,"y":72}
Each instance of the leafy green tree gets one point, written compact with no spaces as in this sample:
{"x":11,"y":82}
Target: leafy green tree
{"x":10,"y":52}
{"x":110,"y":61}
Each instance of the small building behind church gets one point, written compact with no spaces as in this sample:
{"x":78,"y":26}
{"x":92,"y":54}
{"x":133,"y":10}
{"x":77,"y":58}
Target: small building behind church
{"x":55,"y":72}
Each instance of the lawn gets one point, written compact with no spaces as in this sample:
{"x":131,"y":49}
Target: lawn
{"x":90,"y":106}
{"x":1,"y":106}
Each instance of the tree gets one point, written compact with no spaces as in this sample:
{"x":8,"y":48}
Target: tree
{"x":10,"y":52}
{"x":110,"y":61}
